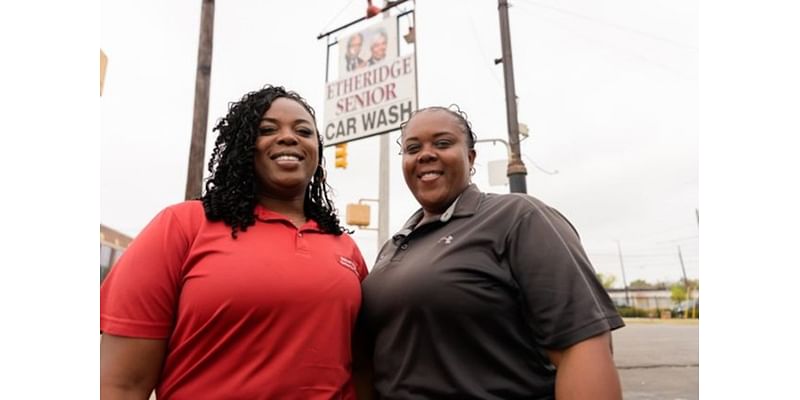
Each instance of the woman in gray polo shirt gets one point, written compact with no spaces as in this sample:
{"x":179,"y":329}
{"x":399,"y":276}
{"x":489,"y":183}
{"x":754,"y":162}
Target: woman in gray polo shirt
{"x":481,"y":296}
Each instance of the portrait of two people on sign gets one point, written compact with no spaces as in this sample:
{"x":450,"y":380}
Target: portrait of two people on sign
{"x":375,"y":88}
{"x":365,"y":48}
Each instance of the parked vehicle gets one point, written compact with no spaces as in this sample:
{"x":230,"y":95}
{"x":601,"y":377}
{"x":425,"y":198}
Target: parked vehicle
{"x":685,"y":305}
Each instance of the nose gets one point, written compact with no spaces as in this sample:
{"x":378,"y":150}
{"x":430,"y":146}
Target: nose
{"x":426,"y":155}
{"x":287,"y":137}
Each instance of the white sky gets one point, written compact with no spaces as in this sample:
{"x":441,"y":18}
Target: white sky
{"x":749,"y":97}
{"x":608,"y":89}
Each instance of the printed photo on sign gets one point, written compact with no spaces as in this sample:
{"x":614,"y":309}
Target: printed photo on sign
{"x":376,"y":88}
{"x":365,"y":48}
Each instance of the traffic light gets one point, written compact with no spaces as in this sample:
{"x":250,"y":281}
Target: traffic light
{"x":341,"y":155}
{"x":103,"y":64}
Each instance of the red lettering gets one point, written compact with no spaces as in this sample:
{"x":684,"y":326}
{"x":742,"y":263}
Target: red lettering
{"x":391,"y":91}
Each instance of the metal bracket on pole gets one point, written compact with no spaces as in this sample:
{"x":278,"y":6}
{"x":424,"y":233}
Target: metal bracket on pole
{"x":361,"y":201}
{"x":494,"y":141}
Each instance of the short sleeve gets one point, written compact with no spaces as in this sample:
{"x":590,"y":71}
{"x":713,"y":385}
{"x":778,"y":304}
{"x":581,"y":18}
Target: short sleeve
{"x":563,"y":300}
{"x":139,"y":296}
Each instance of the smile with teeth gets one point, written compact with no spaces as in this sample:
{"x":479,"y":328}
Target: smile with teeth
{"x":286,"y":157}
{"x":430,"y":175}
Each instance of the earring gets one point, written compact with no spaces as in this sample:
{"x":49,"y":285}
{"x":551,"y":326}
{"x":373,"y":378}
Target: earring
{"x":471,"y":171}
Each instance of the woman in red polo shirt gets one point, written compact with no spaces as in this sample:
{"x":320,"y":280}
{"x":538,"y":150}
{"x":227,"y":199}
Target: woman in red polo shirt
{"x":249,"y":292}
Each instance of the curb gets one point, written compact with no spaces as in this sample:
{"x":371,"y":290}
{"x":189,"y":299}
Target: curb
{"x":670,"y":321}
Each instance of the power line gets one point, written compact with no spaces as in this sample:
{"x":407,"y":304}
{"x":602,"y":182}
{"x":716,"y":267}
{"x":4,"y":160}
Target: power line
{"x":627,"y":255}
{"x":337,"y":15}
{"x":627,"y":51}
{"x":610,"y":24}
{"x":680,"y":239}
{"x":486,"y":58}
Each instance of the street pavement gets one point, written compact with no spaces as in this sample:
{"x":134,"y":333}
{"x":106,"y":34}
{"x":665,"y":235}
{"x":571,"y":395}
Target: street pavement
{"x":658,"y":359}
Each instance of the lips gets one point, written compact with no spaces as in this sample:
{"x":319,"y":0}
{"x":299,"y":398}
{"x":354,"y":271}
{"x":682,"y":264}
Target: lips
{"x":428,"y":176}
{"x":287,"y":156}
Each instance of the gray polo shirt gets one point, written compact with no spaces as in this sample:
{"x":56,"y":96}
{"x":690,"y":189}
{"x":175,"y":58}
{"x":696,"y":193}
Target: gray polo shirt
{"x":463,"y":307}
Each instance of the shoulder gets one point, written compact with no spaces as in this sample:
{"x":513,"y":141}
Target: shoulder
{"x":519,"y":207}
{"x":517,"y":203}
{"x":186,"y":210}
{"x":188,"y":207}
{"x":186,"y":216}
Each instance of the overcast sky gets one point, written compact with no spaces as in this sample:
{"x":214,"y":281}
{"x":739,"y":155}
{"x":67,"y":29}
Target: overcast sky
{"x":608,"y":90}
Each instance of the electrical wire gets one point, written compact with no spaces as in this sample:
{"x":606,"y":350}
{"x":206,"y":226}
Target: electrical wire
{"x":553,"y":172}
{"x":607,"y":23}
{"x":626,"y":51}
{"x":480,"y":48}
{"x":337,"y":16}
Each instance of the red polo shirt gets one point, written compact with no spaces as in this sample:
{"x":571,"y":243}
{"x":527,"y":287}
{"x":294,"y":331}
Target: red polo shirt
{"x":266,"y":316}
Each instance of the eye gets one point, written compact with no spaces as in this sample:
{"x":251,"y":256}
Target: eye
{"x":306,"y":132}
{"x":266,"y":130}
{"x":442,"y":144}
{"x":411,"y":148}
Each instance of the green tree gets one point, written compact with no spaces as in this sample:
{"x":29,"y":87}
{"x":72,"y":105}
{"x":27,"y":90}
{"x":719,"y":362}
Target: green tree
{"x":641,"y":284}
{"x":606,"y":280}
{"x":678,"y":292}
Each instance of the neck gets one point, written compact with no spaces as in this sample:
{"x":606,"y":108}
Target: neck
{"x":427,"y":217}
{"x":291,"y":208}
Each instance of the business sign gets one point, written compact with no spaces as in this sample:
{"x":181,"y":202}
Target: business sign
{"x":375,"y":90}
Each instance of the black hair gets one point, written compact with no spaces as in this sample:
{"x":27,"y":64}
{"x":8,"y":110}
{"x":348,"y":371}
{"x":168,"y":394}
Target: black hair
{"x":230,"y":190}
{"x":453,"y":110}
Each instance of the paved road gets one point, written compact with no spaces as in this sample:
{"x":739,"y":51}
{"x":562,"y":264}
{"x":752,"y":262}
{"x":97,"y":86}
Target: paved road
{"x":658,"y":359}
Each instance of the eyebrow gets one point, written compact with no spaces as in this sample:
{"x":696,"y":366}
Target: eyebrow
{"x":435,"y":135}
{"x":295,"y":122}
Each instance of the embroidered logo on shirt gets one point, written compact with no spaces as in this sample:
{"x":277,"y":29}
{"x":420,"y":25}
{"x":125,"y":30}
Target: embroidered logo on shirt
{"x":446,"y":239}
{"x":349,"y":264}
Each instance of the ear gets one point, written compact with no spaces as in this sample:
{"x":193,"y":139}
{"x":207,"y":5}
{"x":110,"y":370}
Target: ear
{"x":471,"y":156}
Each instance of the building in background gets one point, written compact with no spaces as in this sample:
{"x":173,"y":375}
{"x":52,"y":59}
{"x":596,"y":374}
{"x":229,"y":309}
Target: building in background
{"x":112,"y":245}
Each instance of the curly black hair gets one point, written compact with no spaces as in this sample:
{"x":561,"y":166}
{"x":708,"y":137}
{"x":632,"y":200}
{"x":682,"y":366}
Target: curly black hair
{"x":230,"y":190}
{"x":453,"y":110}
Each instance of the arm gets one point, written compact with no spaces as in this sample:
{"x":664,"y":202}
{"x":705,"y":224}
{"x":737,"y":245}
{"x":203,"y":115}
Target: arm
{"x":129,"y":367}
{"x":362,"y":349}
{"x":586,"y":370}
{"x":362,"y":373}
{"x":361,"y":345}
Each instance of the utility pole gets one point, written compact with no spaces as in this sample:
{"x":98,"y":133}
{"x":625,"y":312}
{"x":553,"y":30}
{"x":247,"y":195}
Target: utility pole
{"x":685,"y":284}
{"x":383,"y":169}
{"x":516,"y":168}
{"x":197,"y":148}
{"x":624,"y":281}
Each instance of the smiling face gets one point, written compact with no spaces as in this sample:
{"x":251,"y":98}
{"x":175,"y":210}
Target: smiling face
{"x":287,"y":150}
{"x":378,"y":47}
{"x":436,"y":159}
{"x":354,"y":45}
